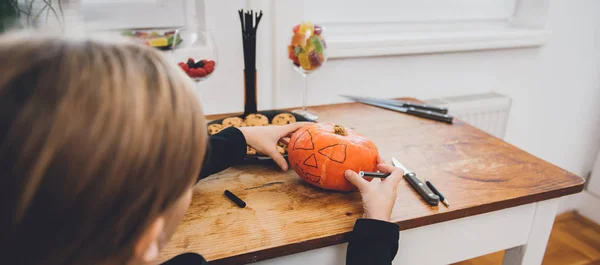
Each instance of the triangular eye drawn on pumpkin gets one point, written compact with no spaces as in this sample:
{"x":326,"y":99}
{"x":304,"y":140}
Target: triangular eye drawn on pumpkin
{"x":335,"y":152}
{"x":311,"y":161}
{"x":304,"y":141}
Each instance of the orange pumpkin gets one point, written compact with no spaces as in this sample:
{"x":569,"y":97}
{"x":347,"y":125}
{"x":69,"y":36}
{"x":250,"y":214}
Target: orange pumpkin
{"x":321,"y":153}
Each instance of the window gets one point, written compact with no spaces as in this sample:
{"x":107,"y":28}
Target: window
{"x":376,"y":11}
{"x":357,"y":28}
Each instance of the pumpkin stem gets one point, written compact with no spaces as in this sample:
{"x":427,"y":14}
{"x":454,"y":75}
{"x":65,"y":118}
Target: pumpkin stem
{"x":340,"y":130}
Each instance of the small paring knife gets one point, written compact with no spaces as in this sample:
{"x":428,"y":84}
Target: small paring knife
{"x":418,"y":185}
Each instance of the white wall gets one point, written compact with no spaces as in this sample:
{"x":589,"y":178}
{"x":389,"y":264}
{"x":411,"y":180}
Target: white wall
{"x":569,"y":70}
{"x":588,"y":203}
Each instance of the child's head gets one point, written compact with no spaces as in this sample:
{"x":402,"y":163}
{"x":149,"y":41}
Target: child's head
{"x":99,"y":147}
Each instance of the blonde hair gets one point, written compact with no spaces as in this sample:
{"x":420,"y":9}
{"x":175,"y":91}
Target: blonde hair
{"x":96,"y":139}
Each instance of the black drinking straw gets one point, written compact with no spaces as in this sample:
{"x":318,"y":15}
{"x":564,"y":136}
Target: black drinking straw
{"x":249,"y":21}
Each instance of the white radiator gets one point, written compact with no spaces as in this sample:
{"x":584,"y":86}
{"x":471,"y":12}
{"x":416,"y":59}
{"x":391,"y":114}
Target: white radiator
{"x":488,"y":112}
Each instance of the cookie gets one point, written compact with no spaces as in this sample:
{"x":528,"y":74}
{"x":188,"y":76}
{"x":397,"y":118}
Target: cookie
{"x":280,"y":149}
{"x":233,"y":121}
{"x":283,"y":119}
{"x":250,"y":151}
{"x":284,"y":142}
{"x":256,"y":120}
{"x":214,"y":128}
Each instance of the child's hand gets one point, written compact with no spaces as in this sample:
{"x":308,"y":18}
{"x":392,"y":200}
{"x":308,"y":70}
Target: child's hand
{"x":265,"y":138}
{"x":379,"y":195}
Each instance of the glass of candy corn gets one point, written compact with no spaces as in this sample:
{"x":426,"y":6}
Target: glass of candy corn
{"x":308,"y":52}
{"x":197,"y":53}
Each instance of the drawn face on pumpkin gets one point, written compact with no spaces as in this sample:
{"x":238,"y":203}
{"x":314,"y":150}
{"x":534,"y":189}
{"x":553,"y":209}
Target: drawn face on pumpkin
{"x":321,"y":153}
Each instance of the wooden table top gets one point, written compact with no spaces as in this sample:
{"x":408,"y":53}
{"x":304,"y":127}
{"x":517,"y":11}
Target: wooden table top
{"x":477,"y":172}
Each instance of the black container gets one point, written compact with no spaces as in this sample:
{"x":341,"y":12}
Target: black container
{"x":270,"y":114}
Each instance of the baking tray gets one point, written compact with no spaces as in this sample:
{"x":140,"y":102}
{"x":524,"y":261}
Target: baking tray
{"x":270,"y":114}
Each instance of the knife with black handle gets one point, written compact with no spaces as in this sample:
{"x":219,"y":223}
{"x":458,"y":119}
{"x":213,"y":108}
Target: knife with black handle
{"x":399,"y":103}
{"x":418,"y":185}
{"x":406,"y":104}
{"x":422,"y":189}
{"x":427,"y":114}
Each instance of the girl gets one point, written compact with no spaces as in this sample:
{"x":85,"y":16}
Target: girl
{"x":100,"y":146}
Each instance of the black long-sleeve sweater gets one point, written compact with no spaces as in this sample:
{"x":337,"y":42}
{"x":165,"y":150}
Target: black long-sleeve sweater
{"x":372,"y":242}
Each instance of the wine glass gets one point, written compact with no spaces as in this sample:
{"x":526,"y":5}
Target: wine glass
{"x":193,"y":48}
{"x":195,"y":52}
{"x":308,"y":52}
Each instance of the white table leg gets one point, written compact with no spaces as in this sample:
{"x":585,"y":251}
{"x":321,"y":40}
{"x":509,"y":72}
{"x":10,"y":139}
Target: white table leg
{"x":532,"y":253}
{"x":441,"y":243}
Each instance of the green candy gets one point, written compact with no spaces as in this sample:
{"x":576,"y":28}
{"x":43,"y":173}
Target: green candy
{"x":297,"y":50}
{"x":316,"y":41}
{"x":171,"y":38}
{"x":128,"y":33}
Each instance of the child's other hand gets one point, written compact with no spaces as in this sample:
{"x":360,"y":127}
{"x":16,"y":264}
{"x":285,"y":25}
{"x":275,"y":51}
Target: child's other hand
{"x":264,"y":139}
{"x":379,"y":195}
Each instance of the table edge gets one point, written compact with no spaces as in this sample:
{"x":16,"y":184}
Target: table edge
{"x":341,"y":238}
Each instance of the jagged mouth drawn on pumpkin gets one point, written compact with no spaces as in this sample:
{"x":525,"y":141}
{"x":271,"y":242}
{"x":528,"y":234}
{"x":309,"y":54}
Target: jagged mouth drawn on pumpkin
{"x":312,"y":177}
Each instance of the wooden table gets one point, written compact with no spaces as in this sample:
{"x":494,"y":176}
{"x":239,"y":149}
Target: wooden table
{"x":501,"y":198}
